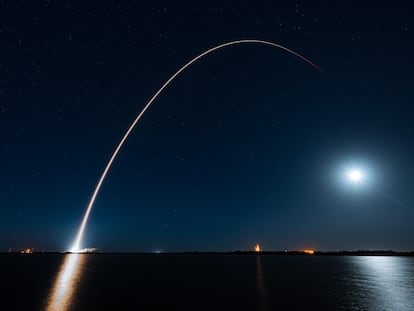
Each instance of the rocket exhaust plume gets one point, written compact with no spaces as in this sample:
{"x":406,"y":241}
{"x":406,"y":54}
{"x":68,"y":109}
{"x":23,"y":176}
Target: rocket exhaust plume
{"x":77,"y":243}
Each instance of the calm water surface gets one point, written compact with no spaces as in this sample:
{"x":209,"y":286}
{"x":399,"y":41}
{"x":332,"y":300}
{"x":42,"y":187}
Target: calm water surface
{"x":205,"y":282}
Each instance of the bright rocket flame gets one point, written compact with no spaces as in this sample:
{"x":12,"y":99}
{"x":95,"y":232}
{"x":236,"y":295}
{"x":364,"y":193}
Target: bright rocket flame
{"x":65,"y":283}
{"x":257,"y":248}
{"x":77,"y":243}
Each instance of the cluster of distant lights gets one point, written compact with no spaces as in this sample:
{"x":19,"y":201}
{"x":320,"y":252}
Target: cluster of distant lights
{"x":258,"y":249}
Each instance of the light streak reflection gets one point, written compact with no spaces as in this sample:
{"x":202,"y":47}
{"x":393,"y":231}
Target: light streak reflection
{"x":65,"y":283}
{"x":261,"y":288}
{"x":386,"y":281}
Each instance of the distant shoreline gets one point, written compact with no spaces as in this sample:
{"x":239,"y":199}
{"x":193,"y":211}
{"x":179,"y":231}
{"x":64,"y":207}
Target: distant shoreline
{"x":243,"y":253}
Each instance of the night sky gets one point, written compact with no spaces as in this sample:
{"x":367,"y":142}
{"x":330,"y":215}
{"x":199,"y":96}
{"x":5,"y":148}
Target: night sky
{"x":247,"y":146}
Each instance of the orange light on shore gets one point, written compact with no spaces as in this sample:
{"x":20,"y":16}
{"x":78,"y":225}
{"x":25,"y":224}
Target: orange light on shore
{"x":27,"y":251}
{"x":257,"y":248}
{"x":309,"y":251}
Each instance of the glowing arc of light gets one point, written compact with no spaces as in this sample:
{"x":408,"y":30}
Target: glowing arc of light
{"x":76,"y":245}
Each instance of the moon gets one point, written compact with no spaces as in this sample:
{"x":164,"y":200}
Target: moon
{"x":355,"y":175}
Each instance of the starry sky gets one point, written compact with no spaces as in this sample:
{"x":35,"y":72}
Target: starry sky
{"x":244,"y":147}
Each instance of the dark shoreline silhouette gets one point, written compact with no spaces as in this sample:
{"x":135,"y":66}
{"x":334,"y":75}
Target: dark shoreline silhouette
{"x":242,"y":253}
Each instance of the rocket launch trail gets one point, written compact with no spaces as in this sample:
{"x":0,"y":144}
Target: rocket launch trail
{"x":77,"y":243}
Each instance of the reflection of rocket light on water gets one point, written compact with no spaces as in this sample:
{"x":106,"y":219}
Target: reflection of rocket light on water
{"x":261,"y":289}
{"x":65,"y":284}
{"x":77,"y":243}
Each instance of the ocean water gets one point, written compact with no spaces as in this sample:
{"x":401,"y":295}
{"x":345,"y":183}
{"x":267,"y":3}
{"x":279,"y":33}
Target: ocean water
{"x":205,"y":282}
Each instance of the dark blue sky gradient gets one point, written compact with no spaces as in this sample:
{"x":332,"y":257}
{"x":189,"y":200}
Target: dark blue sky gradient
{"x":242,"y":148}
